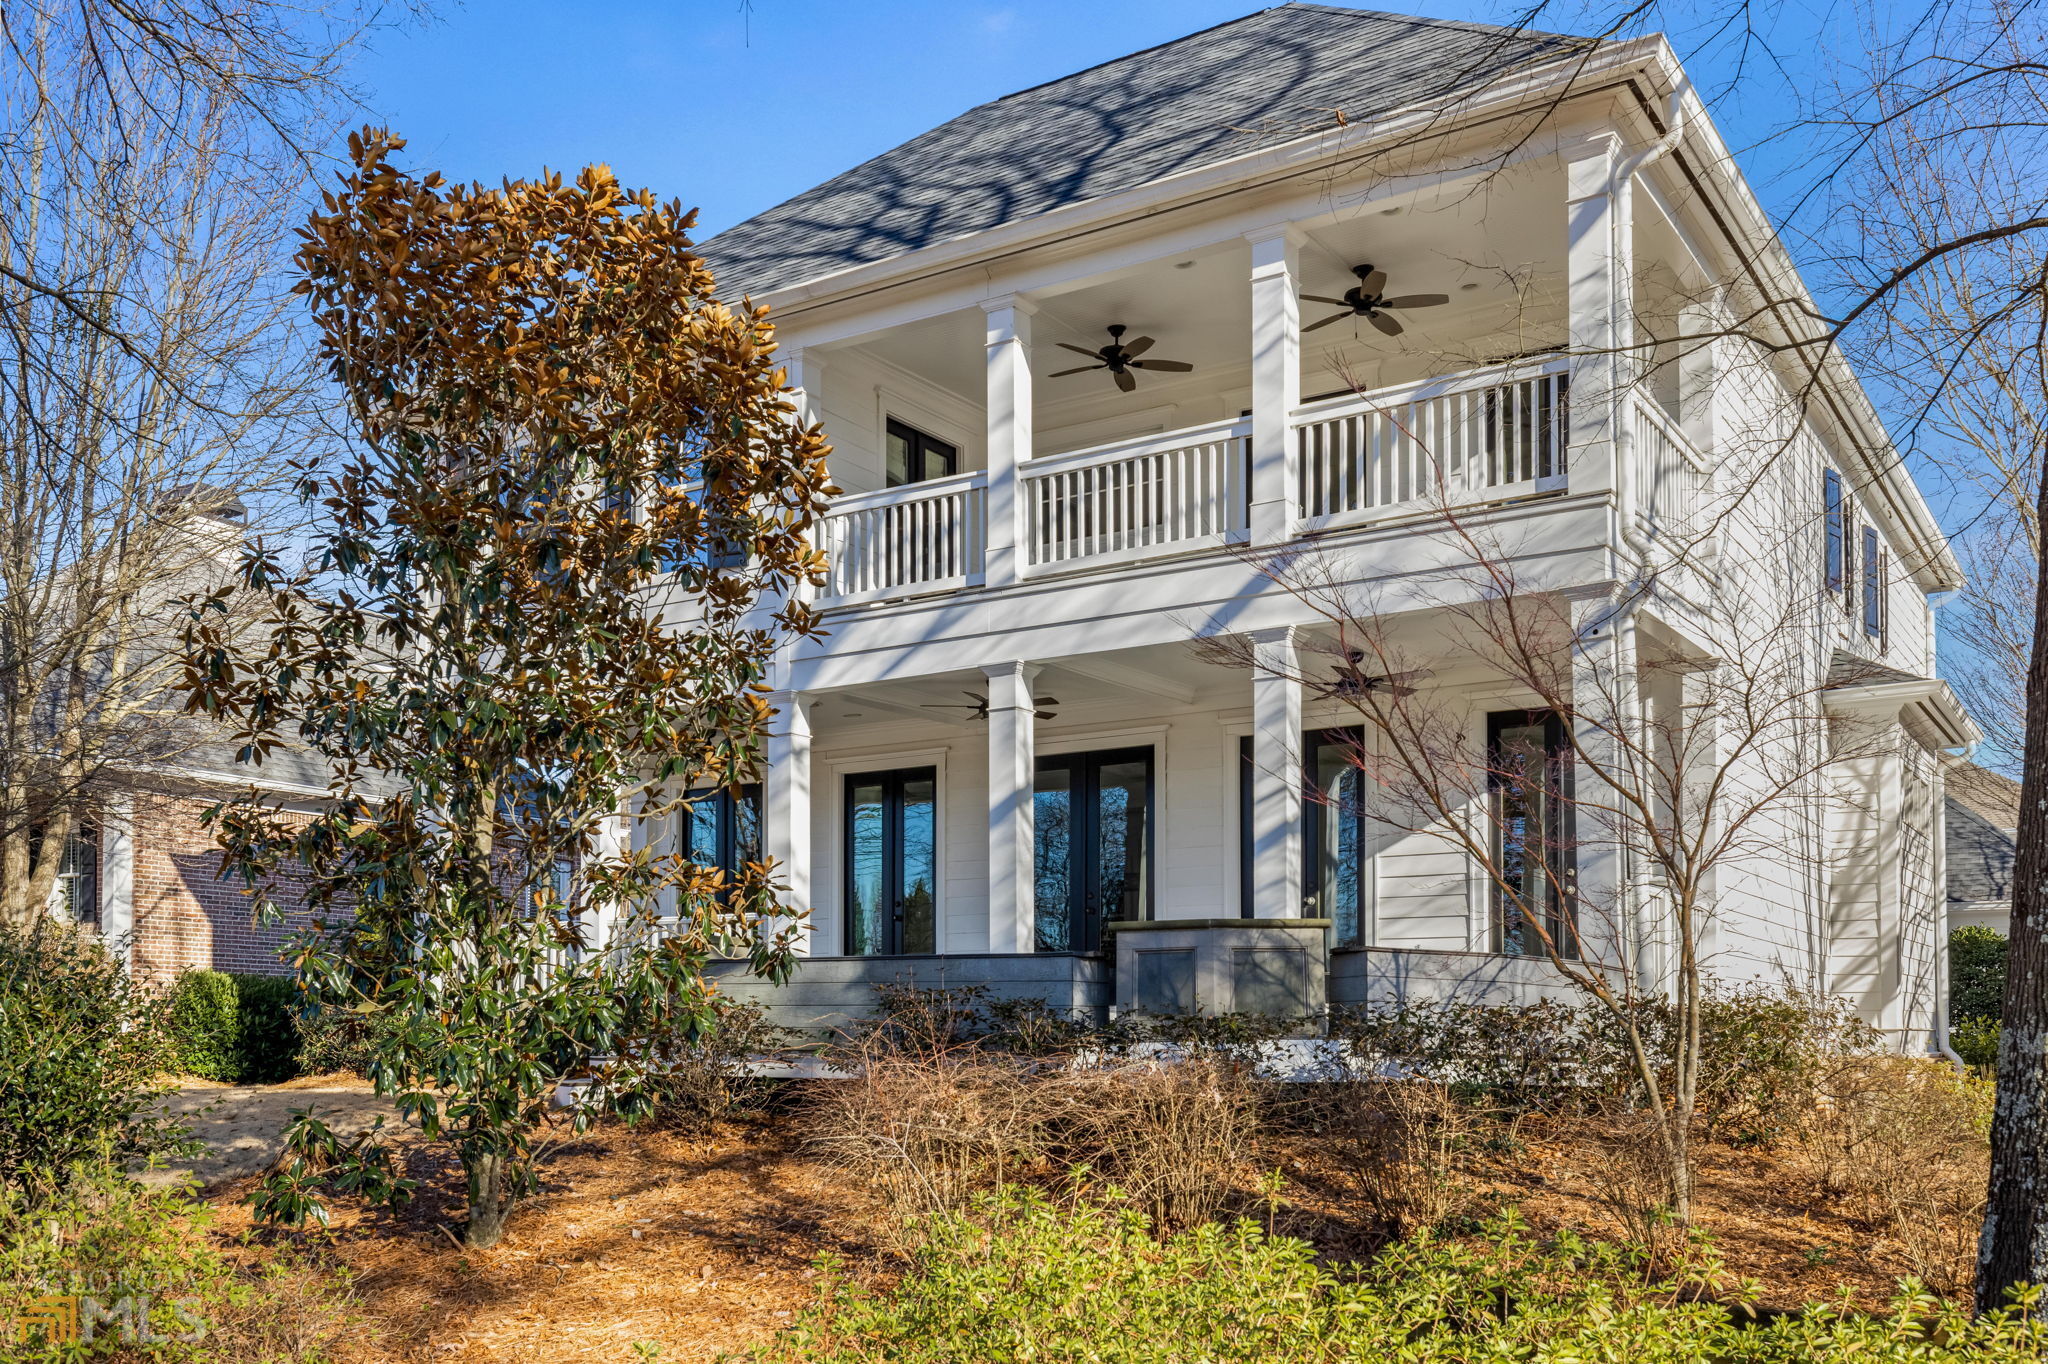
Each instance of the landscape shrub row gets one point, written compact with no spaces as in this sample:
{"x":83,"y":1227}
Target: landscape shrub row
{"x":250,"y":1030}
{"x":1018,"y":1276}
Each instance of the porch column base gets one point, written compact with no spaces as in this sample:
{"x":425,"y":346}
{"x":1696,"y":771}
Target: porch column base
{"x":1272,"y":967}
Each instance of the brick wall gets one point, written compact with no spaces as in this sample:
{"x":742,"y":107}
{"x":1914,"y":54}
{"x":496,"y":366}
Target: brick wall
{"x":185,"y":915}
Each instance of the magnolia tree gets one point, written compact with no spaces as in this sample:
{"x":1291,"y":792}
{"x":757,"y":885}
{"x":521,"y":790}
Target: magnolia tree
{"x":565,"y":435}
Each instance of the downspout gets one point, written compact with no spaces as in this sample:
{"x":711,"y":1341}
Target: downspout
{"x":1621,"y":421}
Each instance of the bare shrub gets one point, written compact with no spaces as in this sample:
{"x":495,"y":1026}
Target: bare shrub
{"x":929,"y":1131}
{"x":1902,"y":1141}
{"x":1177,"y":1136}
{"x":1631,"y":1178}
{"x":1401,"y":1145}
{"x":710,"y":1076}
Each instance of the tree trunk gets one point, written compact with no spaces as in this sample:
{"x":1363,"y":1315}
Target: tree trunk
{"x":2014,"y":1245}
{"x":489,"y":1204}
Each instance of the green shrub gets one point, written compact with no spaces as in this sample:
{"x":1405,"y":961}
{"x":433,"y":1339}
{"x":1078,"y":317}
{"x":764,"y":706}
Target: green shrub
{"x":335,"y":1040}
{"x":203,"y":1021}
{"x":82,"y":1050}
{"x":1976,"y":973}
{"x":136,"y":1256}
{"x":1024,"y":1278}
{"x":266,"y":1029}
{"x":1975,"y":1039}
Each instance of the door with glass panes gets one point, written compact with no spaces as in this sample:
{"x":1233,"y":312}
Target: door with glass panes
{"x":1092,"y":831}
{"x":892,"y":862}
{"x":1333,"y":851}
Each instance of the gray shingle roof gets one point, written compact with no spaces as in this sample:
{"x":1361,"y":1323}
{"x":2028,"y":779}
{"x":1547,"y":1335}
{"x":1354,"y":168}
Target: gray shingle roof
{"x":1203,"y":98}
{"x":1980,"y":856}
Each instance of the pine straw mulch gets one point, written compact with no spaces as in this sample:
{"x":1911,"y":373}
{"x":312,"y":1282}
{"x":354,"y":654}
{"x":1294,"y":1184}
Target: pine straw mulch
{"x":1755,"y":1203}
{"x":704,"y":1243}
{"x":698,"y":1242}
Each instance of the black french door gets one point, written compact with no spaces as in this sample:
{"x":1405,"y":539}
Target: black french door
{"x":1092,"y":822}
{"x":892,"y":862}
{"x":1332,"y":831}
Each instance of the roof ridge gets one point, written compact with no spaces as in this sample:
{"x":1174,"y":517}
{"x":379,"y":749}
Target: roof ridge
{"x":1468,"y":25}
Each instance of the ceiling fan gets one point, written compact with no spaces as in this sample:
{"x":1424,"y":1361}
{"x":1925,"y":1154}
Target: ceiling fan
{"x":1367,"y":299}
{"x":1351,"y":684}
{"x":1120,"y":359}
{"x":980,"y":706}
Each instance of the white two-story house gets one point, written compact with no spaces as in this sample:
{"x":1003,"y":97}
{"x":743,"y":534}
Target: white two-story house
{"x":1310,"y":280}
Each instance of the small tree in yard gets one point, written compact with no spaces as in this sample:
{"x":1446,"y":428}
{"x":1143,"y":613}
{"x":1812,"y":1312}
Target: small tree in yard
{"x":565,"y":434}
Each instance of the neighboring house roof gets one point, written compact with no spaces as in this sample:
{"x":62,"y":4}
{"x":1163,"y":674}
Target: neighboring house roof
{"x":1991,"y":795}
{"x":1226,"y":90}
{"x":1980,"y":856}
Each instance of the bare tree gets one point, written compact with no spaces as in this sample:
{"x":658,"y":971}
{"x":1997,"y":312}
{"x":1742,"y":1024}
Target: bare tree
{"x":151,"y":391}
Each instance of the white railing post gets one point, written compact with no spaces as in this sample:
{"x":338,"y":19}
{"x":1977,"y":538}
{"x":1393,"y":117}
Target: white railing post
{"x":786,"y":801}
{"x":1012,"y":881}
{"x":1276,"y":382}
{"x":1276,"y":775}
{"x":1009,"y":435}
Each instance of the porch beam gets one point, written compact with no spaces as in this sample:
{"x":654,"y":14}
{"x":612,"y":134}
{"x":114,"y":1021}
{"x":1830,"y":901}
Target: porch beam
{"x":1127,"y":677}
{"x":1009,"y":436}
{"x":1012,"y":742}
{"x":1276,"y":775}
{"x":1276,"y":380}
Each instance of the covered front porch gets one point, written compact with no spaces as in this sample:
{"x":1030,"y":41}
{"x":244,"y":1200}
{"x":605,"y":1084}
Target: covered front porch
{"x":1143,"y":828}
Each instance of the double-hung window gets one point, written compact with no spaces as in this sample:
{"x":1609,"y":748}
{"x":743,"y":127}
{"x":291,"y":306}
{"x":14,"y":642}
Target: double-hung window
{"x":1535,"y":906}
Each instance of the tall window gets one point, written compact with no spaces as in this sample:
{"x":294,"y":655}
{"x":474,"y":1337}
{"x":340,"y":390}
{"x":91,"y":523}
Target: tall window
{"x":1332,"y":832}
{"x":1837,"y":513}
{"x":77,"y":892}
{"x":1873,"y":585}
{"x":913,"y":456}
{"x":720,"y":829}
{"x":892,"y":862}
{"x":1529,"y":788}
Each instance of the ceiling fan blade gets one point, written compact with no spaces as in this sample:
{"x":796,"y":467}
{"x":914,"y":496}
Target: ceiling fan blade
{"x":1045,"y":715}
{"x":1395,"y":691}
{"x":1045,"y":700}
{"x":1078,"y":350}
{"x":1126,"y":380}
{"x":1168,"y":366}
{"x":1415,"y":301}
{"x":1384,"y":323}
{"x":1373,"y":282}
{"x":1333,"y":302}
{"x":1333,"y":317}
{"x":1139,"y":346}
{"x":1078,"y":369}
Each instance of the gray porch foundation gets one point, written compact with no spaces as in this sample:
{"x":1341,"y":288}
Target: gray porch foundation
{"x":825,"y":994}
{"x":1219,"y":966}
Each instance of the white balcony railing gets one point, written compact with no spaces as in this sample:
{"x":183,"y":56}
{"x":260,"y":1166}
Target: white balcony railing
{"x":1478,"y":436}
{"x":923,"y":538}
{"x":1676,"y":478}
{"x":1179,"y":490}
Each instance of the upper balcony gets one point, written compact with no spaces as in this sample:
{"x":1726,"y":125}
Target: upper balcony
{"x":986,"y":444}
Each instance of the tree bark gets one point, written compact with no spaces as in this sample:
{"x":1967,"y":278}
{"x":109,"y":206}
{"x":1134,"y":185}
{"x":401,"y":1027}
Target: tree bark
{"x":2014,"y":1245}
{"x":488,"y":1205}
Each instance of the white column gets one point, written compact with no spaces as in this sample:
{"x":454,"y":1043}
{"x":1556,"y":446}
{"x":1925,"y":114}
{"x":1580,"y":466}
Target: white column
{"x":1009,"y":435}
{"x":1276,"y":776}
{"x":1606,"y":707}
{"x":1276,"y":381}
{"x":117,"y":875}
{"x":786,"y":801}
{"x":1011,"y":763}
{"x":1599,"y":310}
{"x":806,"y":371}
